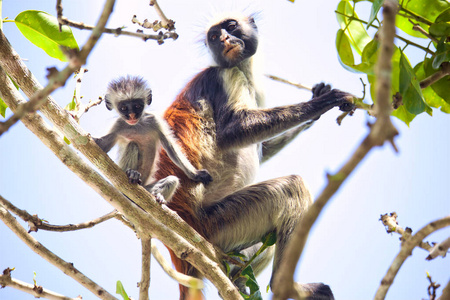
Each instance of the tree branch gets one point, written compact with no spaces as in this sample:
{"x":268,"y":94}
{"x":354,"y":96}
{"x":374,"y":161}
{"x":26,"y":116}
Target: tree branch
{"x":381,"y":131}
{"x":35,"y":290}
{"x":49,"y":256}
{"x":446,"y":292}
{"x":440,"y":249}
{"x":444,"y":70}
{"x":165,"y":22}
{"x":390,"y":221}
{"x":405,"y":252}
{"x":36,"y":223}
{"x":144,"y":284}
{"x":116,"y":32}
{"x":148,"y":222}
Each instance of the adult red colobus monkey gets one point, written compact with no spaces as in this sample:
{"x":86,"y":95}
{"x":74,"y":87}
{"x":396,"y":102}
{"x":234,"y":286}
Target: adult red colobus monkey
{"x":221,"y":128}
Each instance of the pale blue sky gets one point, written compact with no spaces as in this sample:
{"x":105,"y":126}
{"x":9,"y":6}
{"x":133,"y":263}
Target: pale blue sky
{"x":348,"y":248}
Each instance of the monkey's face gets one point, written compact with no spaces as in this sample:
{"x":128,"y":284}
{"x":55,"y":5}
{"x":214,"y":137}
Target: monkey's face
{"x":131,"y":110}
{"x":232,"y":41}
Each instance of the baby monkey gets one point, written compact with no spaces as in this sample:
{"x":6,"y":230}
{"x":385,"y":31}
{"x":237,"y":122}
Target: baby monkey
{"x":140,"y":135}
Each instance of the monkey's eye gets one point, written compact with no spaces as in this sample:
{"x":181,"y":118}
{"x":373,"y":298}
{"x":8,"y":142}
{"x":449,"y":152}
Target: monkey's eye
{"x":213,"y":37}
{"x":123,"y":108}
{"x":231,"y":26}
{"x":137,"y":106}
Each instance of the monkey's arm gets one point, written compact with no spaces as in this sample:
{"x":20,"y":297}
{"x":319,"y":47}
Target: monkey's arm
{"x":106,"y":142}
{"x":249,"y":126}
{"x":176,"y":155}
{"x":273,"y":146}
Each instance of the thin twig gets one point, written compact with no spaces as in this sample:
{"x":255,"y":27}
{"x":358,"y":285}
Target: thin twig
{"x":52,"y":258}
{"x":144,"y":284}
{"x":405,"y":252}
{"x":298,"y":85}
{"x":36,"y":223}
{"x":390,"y":221}
{"x":165,"y":22}
{"x":58,"y":79}
{"x":432,"y":288}
{"x":444,"y":70}
{"x":417,"y":27}
{"x":35,"y":290}
{"x":116,"y":32}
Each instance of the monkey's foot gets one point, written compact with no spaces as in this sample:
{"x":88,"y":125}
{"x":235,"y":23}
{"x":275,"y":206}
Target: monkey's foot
{"x":159,"y":198}
{"x":315,"y":291}
{"x":133,"y":176}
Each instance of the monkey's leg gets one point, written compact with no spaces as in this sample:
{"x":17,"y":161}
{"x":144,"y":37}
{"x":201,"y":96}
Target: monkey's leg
{"x":164,"y":189}
{"x":129,"y":162}
{"x":241,"y":219}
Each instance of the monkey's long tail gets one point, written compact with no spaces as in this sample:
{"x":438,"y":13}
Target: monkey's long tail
{"x":184,"y":267}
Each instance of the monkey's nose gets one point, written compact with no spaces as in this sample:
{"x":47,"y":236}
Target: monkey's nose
{"x":224,"y":36}
{"x":132,"y":116}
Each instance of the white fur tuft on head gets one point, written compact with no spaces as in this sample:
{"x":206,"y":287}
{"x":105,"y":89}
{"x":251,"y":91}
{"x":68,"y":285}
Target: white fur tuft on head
{"x":127,"y":88}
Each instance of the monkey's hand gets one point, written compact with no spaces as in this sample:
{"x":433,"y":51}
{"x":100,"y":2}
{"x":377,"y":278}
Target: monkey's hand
{"x":133,"y":176}
{"x":159,"y":198}
{"x":203,"y":176}
{"x":342,"y":99}
{"x":320,"y":89}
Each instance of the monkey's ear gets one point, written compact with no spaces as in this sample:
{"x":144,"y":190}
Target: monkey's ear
{"x":149,"y":98}
{"x":108,"y":103}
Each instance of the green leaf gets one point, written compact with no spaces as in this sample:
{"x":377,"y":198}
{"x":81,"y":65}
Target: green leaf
{"x":427,"y":9}
{"x":410,"y":88}
{"x":354,"y":30}
{"x":71,"y":106}
{"x":442,"y":53}
{"x":121,"y":291}
{"x":42,"y":29}
{"x":440,"y":87}
{"x":251,"y":279}
{"x":3,"y":107}
{"x":369,"y":57}
{"x":402,"y":114}
{"x":444,"y":16}
{"x":376,"y":5}
{"x":269,"y":239}
{"x":441,"y":29}
{"x":345,"y":53}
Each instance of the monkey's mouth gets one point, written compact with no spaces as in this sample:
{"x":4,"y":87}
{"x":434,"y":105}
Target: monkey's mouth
{"x":232,"y":50}
{"x":132,"y":121}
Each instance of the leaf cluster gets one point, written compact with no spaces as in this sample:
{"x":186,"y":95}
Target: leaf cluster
{"x":425,"y":19}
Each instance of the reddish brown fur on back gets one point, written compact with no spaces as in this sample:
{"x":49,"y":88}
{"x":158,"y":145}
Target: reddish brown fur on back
{"x":186,"y":126}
